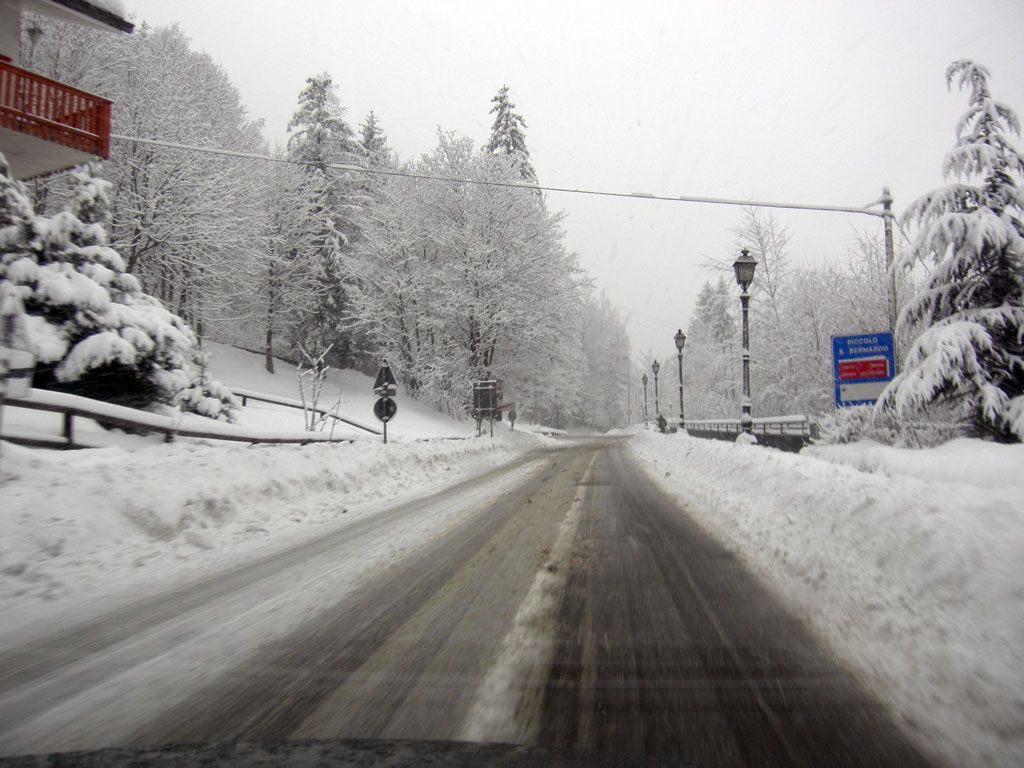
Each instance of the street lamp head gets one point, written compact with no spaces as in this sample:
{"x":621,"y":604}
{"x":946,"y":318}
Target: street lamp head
{"x":655,"y":366}
{"x":744,"y":267}
{"x":644,"y":379}
{"x":680,"y":338}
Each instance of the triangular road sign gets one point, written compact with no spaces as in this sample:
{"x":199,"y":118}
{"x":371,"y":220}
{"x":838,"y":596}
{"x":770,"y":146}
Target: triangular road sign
{"x":385,"y":381}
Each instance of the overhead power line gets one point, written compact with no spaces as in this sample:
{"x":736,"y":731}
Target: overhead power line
{"x":533,"y":187}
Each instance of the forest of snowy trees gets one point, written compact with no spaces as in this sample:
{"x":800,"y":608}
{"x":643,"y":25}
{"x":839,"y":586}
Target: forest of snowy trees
{"x":338,"y":251}
{"x":450,"y":281}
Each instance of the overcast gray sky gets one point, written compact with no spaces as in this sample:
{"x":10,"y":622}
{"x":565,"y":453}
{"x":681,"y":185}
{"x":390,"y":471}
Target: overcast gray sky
{"x":819,"y":102}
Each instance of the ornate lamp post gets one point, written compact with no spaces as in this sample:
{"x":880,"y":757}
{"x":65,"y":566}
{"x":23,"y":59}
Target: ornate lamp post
{"x":680,"y":339}
{"x":744,"y":267}
{"x":644,"y":380}
{"x":655,"y":367}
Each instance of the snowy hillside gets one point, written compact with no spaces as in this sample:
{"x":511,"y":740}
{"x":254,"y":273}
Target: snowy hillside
{"x":906,"y":562}
{"x":238,"y":368}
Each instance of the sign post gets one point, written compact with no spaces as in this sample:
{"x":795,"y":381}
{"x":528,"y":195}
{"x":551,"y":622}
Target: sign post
{"x":16,"y":365}
{"x":485,"y":402}
{"x":862,"y":367}
{"x":385,"y":387}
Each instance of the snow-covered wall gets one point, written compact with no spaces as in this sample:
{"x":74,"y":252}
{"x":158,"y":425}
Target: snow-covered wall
{"x":10,"y":30}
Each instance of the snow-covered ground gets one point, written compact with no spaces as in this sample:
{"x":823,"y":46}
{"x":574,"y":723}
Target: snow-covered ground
{"x":83,"y":531}
{"x":908,"y":563}
{"x":238,"y":368}
{"x":351,"y":391}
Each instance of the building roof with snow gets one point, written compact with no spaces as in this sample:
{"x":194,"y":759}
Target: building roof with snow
{"x":105,"y":14}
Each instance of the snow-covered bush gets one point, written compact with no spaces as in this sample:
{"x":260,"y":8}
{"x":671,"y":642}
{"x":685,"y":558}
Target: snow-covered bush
{"x":205,"y":396}
{"x":969,"y":312}
{"x":864,"y":422}
{"x":93,"y":330}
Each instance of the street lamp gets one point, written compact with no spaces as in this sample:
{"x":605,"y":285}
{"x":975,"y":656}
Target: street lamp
{"x":680,"y":339}
{"x":744,"y":266}
{"x":655,"y":367}
{"x":644,"y":380}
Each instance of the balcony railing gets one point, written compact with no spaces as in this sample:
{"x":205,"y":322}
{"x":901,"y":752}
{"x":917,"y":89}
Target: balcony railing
{"x":53,"y":111}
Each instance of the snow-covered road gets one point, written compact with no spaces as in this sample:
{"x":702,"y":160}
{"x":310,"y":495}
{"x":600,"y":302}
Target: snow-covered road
{"x":96,"y":682}
{"x":558,"y":600}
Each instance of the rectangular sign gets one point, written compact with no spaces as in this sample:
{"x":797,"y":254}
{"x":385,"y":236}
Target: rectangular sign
{"x":862,"y":366}
{"x":486,"y":395}
{"x":867,"y":368}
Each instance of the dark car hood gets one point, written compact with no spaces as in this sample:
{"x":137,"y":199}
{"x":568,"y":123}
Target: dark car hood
{"x":341,"y":753}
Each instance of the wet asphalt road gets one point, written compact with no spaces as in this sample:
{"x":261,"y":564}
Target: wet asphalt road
{"x":580,"y":609}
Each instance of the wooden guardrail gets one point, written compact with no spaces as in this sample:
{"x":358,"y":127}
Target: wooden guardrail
{"x":247,"y":394}
{"x":73,"y":406}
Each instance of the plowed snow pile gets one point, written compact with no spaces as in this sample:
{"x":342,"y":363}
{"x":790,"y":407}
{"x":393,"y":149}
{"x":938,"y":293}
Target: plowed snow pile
{"x":83,"y":531}
{"x":908,"y":563}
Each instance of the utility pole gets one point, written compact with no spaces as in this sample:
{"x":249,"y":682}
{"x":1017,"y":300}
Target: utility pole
{"x":643,"y":380}
{"x":629,"y":409}
{"x":890,"y":269}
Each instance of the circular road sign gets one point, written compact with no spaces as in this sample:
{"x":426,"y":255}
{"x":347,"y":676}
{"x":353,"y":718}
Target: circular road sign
{"x":385,"y":409}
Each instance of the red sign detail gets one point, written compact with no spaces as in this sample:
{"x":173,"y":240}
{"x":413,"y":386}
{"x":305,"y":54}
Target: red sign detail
{"x":864,"y":368}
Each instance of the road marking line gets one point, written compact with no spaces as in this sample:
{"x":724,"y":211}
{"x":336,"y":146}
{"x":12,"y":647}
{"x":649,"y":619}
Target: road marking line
{"x":524,"y":658}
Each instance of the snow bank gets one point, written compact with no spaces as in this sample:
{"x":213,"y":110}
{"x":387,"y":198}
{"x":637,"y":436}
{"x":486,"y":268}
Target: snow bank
{"x":912,"y":574}
{"x":111,"y":523}
{"x":963,"y":461}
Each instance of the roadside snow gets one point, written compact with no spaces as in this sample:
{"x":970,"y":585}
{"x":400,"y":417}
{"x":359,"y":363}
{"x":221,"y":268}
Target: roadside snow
{"x":84,"y":531}
{"x":964,"y":461}
{"x":912,"y":573}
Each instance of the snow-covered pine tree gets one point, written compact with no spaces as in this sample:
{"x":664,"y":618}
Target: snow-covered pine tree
{"x":320,"y":137}
{"x":319,"y":133}
{"x":92,"y":329}
{"x":285,"y":284}
{"x":507,"y":135}
{"x":373,"y":141}
{"x":970,"y":309}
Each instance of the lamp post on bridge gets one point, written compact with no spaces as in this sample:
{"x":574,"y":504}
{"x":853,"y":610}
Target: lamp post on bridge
{"x":680,"y":339}
{"x":744,"y":267}
{"x":655,"y":367}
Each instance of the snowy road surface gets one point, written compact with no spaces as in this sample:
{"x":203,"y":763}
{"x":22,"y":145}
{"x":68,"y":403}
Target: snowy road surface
{"x":565,"y":601}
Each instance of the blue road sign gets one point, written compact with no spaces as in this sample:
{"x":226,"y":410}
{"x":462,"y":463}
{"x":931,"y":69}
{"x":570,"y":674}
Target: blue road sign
{"x":862,"y":366}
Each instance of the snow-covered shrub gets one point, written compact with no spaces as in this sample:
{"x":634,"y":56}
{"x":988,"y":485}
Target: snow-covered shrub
{"x":859,"y":422}
{"x":885,"y":426}
{"x":93,"y":330}
{"x":970,"y":310}
{"x":208,"y":397}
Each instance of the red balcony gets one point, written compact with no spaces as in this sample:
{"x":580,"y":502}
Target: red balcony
{"x":47,"y":126}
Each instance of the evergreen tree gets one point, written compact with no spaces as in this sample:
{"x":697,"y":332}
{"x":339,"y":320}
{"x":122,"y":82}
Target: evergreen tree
{"x":507,"y":135}
{"x":712,"y":313}
{"x":321,"y":137}
{"x":970,"y":309}
{"x":319,"y":134}
{"x":92,"y":329}
{"x":373,"y":141}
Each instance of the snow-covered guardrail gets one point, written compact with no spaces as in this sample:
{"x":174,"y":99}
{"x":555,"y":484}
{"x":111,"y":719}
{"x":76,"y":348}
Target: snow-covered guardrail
{"x":248,"y":394}
{"x":797,"y":426}
{"x":73,"y":406}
